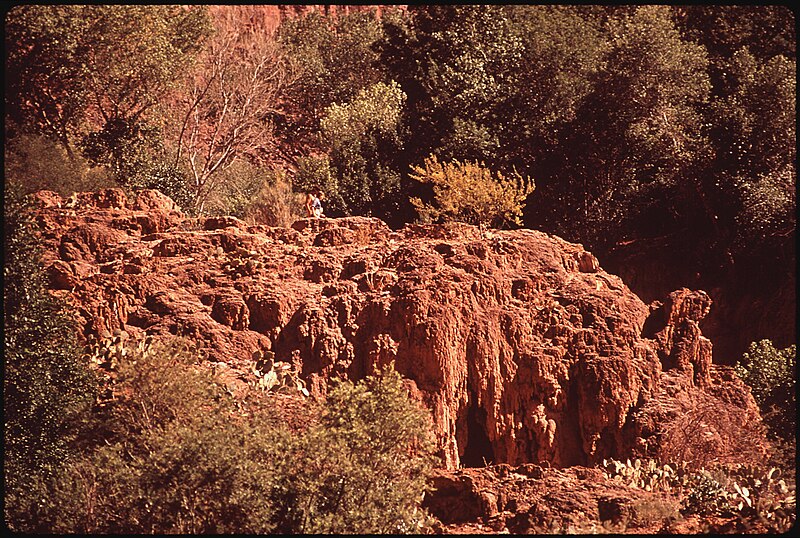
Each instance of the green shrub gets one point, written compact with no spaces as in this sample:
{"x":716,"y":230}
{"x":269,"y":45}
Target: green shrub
{"x":770,"y":373}
{"x":275,"y":204}
{"x":471,"y":193}
{"x":170,"y":454}
{"x":752,"y":493}
{"x":166,"y":178}
{"x":707,"y":496}
{"x":363,"y":138}
{"x":363,"y":469}
{"x":171,"y":451}
{"x":45,"y":384}
{"x":34,"y":162}
{"x":315,"y":171}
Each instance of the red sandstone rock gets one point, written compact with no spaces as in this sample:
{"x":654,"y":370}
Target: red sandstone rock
{"x":521,"y":346}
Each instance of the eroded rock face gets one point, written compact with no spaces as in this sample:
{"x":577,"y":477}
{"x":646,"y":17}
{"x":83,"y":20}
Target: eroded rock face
{"x":521,"y":346}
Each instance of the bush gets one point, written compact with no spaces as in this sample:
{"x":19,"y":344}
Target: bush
{"x":363,"y":139}
{"x":34,"y":163}
{"x":770,"y":373}
{"x":363,"y":469}
{"x":315,"y":171}
{"x":470,"y":192}
{"x":173,"y":452}
{"x":275,"y":204}
{"x":45,"y":385}
{"x":231,"y":190}
{"x":160,"y":175}
{"x":170,"y":455}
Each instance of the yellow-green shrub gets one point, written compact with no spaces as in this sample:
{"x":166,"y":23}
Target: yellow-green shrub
{"x":472,"y":193}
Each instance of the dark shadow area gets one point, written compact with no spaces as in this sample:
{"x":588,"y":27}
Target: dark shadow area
{"x":478,"y":452}
{"x":655,"y":322}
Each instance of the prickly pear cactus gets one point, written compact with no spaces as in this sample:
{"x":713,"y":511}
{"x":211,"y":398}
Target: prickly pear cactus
{"x":648,"y":475}
{"x":275,"y":376}
{"x":105,"y":350}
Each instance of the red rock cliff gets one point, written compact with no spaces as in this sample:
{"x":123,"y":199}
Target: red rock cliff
{"x":521,"y":346}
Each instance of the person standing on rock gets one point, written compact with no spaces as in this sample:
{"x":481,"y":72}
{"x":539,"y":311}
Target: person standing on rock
{"x":314,"y":203}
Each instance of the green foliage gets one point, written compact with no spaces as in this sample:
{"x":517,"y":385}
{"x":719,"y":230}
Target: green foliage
{"x":237,"y":188}
{"x":139,"y":52}
{"x":363,"y":469}
{"x":111,"y":62}
{"x":470,"y":192}
{"x":275,"y":204}
{"x":472,"y":48}
{"x":335,"y":57}
{"x":171,"y":454}
{"x":96,"y":75}
{"x":771,"y":375}
{"x":314,"y":171}
{"x":278,"y":376}
{"x":753,"y":493}
{"x":375,"y":108}
{"x":34,"y":162}
{"x":753,"y":125}
{"x":361,"y":135}
{"x":454,"y":63}
{"x":648,"y":475}
{"x":637,"y":134}
{"x":45,"y":385}
{"x":134,"y":153}
{"x":157,"y":173}
{"x":169,"y":450}
{"x":44,"y":84}
{"x":767,"y":29}
{"x":706,"y":495}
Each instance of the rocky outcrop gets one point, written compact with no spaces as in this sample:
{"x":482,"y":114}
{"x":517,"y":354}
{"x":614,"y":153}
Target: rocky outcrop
{"x":538,"y":499}
{"x":521,"y":346}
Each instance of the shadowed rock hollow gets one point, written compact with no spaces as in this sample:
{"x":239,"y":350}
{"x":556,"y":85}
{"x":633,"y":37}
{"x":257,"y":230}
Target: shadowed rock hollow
{"x":521,"y":346}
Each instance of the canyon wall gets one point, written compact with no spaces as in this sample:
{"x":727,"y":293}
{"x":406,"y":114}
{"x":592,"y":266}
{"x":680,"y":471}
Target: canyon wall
{"x":523,"y":348}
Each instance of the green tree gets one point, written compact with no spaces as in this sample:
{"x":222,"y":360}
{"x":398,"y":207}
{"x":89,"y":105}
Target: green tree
{"x":169,"y":454}
{"x":453,"y":62}
{"x":44,"y":70}
{"x":45,"y":384}
{"x":364,"y":468}
{"x":275,"y":203}
{"x":172,"y":452}
{"x":546,"y":83}
{"x":470,"y":192}
{"x":767,"y":30}
{"x":35,"y":162}
{"x":360,"y":135}
{"x":771,"y":374}
{"x":79,"y":68}
{"x":754,"y":131}
{"x":631,"y":154}
{"x":336,"y":59}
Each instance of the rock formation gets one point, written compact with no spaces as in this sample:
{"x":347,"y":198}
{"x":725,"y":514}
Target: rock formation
{"x":521,"y":346}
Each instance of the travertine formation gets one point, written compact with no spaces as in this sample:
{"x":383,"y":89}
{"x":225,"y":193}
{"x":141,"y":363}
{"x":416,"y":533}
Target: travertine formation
{"x":521,"y":346}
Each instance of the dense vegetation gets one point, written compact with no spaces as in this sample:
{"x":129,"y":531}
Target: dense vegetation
{"x":169,"y":450}
{"x":637,"y":124}
{"x":634,"y":122}
{"x":46,"y":385}
{"x":771,"y":374}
